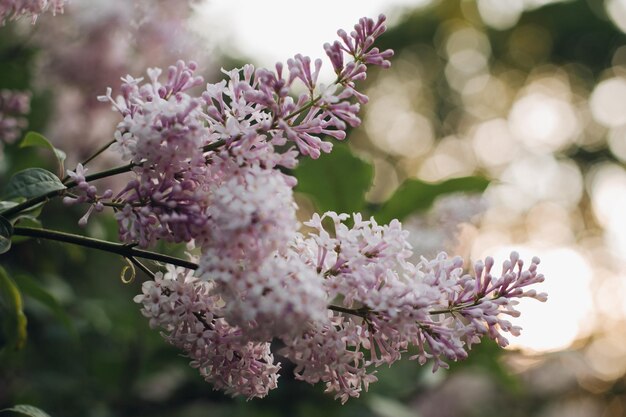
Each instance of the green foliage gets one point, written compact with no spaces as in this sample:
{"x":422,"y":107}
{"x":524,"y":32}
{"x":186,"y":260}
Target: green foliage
{"x":6,"y":231}
{"x":337,"y":181}
{"x":34,"y":139}
{"x":27,"y":410}
{"x":12,"y":316}
{"x":33,"y":289}
{"x":32,"y":182}
{"x":415,"y":195}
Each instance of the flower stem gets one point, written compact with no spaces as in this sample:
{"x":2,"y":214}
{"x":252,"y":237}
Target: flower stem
{"x":131,"y":253}
{"x":362,"y":312}
{"x":10,"y":212}
{"x":112,"y":247}
{"x":92,"y":157}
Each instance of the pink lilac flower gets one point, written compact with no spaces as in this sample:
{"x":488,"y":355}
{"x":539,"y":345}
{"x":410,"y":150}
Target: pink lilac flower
{"x":276,"y":297}
{"x":189,"y":314}
{"x":12,"y":9}
{"x":197,"y":158}
{"x":251,"y":212}
{"x":386,"y":304}
{"x":14,"y":106}
{"x":163,"y":134}
{"x":89,"y":48}
{"x":162,"y":124}
{"x":88,"y":193}
{"x":342,"y":301}
{"x":331,"y":353}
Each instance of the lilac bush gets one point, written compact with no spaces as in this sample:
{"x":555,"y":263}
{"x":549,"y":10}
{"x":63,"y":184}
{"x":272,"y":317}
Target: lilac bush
{"x":209,"y":167}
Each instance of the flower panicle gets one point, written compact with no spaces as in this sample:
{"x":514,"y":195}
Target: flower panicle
{"x":209,"y":171}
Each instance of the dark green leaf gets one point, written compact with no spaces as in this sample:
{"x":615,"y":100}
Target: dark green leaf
{"x":32,"y":182}
{"x":337,"y":181}
{"x":416,"y":195}
{"x":33,"y":289}
{"x":6,"y":231}
{"x":27,"y":410}
{"x":12,"y":316}
{"x":40,"y":141}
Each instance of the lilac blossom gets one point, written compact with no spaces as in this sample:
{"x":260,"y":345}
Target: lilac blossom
{"x":89,"y":48}
{"x":189,"y":314}
{"x":382,"y":303}
{"x":14,"y":106}
{"x":343,"y":301}
{"x":277,"y":297}
{"x":88,"y":193}
{"x":208,"y":171}
{"x":197,"y":157}
{"x":12,"y":9}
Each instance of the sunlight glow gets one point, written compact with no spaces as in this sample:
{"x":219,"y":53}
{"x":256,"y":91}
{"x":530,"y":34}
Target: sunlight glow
{"x":607,"y":102}
{"x":555,"y":324}
{"x":274,"y":30}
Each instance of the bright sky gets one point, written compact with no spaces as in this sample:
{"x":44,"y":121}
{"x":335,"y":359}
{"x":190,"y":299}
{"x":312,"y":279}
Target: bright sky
{"x":274,"y":30}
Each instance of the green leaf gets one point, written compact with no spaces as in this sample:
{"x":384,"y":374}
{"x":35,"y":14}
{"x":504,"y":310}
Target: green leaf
{"x":32,"y":182}
{"x":38,"y":140}
{"x":33,"y":289}
{"x":416,"y":195}
{"x":6,"y":231}
{"x":337,"y":181}
{"x":13,"y":320}
{"x":27,"y":410}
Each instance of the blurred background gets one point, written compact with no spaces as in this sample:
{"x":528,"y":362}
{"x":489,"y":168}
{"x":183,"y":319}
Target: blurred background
{"x":501,"y":125}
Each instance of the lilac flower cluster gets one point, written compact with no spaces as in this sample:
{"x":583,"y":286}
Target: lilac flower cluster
{"x":382,"y":304}
{"x":14,"y":106}
{"x":208,"y":171}
{"x":89,"y":194}
{"x":12,"y":9}
{"x":195,"y":153}
{"x":188,"y":312}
